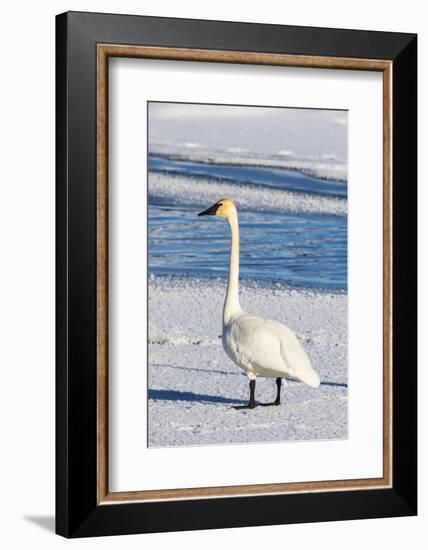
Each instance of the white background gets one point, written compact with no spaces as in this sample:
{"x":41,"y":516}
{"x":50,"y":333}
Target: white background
{"x":132,"y":82}
{"x":27,"y":273}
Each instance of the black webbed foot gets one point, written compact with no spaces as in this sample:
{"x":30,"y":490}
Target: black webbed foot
{"x":249,"y":406}
{"x":278,"y":396}
{"x":252,"y":403}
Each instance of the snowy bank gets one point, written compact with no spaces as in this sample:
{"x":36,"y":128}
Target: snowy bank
{"x":193,"y":385}
{"x":200,"y":191}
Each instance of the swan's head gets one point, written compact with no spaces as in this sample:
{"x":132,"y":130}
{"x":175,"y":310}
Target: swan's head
{"x":225,"y":208}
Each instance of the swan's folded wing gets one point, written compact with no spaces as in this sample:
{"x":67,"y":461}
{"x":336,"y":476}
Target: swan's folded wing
{"x":275,"y":347}
{"x":256,"y":343}
{"x":298,"y":362}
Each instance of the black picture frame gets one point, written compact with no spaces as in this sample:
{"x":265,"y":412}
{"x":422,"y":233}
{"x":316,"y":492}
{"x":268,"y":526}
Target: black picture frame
{"x":78,"y":513}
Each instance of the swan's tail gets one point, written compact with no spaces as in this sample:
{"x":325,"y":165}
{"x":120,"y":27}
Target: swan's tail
{"x":310,"y":378}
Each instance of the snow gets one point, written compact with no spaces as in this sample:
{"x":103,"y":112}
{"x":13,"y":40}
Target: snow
{"x":193,"y":385}
{"x":325,"y":167}
{"x":200,"y":191}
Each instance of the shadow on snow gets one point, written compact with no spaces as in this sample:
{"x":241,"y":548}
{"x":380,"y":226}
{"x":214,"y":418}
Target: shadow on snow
{"x":335,"y":384}
{"x":229,"y":373}
{"x":174,"y":395}
{"x":205,"y":371}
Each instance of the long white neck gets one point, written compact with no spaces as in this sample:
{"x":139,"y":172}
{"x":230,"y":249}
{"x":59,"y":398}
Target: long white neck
{"x":231,"y":304}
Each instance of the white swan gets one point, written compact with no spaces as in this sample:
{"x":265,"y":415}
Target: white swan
{"x":259,"y":346}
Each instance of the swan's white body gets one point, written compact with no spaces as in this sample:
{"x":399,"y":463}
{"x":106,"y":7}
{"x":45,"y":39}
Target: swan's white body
{"x":266,"y":348}
{"x":261,"y":347}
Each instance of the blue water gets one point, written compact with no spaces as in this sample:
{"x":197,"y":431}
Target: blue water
{"x":302,"y":250}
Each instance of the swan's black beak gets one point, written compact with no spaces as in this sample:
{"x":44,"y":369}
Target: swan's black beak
{"x":211,"y":211}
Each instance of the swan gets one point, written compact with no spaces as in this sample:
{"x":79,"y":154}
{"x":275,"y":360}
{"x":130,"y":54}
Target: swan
{"x":261,"y":347}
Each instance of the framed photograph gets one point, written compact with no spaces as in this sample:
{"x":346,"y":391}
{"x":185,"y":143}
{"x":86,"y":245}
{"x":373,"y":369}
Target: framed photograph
{"x":236,"y":274}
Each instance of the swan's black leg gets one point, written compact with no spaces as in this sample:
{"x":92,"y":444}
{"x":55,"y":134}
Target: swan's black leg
{"x":278,"y":391}
{"x":252,"y":402}
{"x":278,"y":395}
